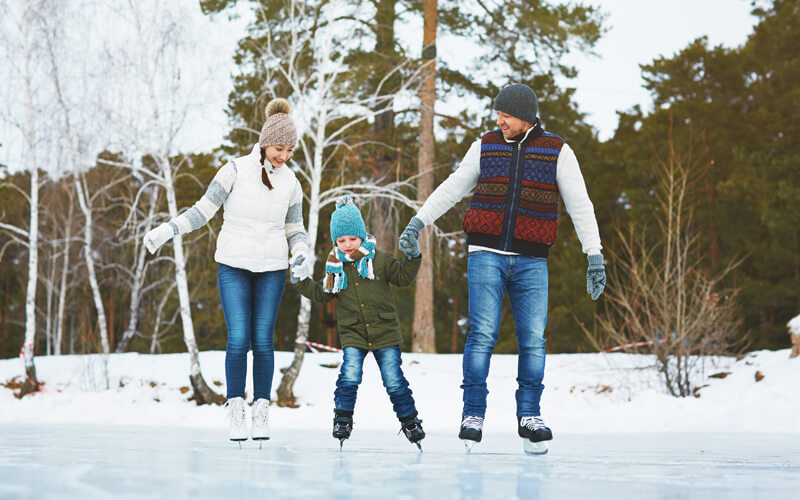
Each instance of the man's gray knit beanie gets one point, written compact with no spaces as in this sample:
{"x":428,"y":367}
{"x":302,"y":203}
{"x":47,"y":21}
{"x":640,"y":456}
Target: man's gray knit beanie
{"x":278,"y":129}
{"x":518,"y":100}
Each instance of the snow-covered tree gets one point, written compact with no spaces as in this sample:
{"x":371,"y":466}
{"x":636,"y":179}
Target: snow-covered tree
{"x":22,"y":53}
{"x":148,"y":107}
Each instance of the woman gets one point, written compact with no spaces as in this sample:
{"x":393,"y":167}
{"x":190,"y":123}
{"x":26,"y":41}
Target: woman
{"x":263,"y":219}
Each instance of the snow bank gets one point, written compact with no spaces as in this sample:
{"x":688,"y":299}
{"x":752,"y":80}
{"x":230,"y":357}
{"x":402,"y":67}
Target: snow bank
{"x":794,"y":325}
{"x":584,"y":393}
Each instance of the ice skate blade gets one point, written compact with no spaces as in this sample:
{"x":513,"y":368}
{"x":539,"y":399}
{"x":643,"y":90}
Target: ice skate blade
{"x":531,"y":448}
{"x":468,"y":444}
{"x":419,"y":446}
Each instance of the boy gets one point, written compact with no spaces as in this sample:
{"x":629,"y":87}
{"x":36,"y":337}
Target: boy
{"x":359,"y":275}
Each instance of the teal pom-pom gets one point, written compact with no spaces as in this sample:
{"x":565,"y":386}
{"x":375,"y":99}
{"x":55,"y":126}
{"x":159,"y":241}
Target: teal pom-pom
{"x":343,"y":201}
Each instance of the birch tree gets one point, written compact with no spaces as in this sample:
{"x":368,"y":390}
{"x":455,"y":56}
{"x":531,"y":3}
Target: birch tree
{"x":137,"y":277}
{"x":22,"y":51}
{"x":75,"y":132}
{"x":159,"y":102}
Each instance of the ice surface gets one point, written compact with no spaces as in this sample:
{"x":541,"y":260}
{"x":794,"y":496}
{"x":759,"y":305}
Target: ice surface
{"x":82,"y":461}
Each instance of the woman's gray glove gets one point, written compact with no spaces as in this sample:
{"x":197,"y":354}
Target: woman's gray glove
{"x":408,"y":243}
{"x":299,"y":269}
{"x":595,"y":276}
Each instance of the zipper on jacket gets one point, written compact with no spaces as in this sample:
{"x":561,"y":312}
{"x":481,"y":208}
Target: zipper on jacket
{"x":511,"y":209}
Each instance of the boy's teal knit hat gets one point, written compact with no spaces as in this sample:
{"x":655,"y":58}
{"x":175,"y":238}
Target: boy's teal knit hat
{"x":346,"y":220}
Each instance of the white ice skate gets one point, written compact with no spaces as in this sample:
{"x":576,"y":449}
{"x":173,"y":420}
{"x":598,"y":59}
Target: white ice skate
{"x":534,"y":435}
{"x":238,"y":422}
{"x":260,"y":419}
{"x":471,"y":432}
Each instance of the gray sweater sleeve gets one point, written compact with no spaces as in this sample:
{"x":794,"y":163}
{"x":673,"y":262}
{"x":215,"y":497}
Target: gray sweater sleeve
{"x":202,"y":211}
{"x":295,"y":231}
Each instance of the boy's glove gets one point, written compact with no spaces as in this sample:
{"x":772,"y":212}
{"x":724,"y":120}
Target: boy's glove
{"x":299,"y":269}
{"x":408,"y":243}
{"x":595,"y":276}
{"x":158,"y":236}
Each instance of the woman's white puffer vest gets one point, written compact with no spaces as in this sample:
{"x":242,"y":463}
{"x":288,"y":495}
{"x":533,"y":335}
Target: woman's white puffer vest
{"x":253,"y":233}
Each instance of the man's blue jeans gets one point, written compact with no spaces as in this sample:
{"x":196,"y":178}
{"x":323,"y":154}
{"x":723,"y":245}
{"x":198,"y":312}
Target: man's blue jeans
{"x":250,"y":302}
{"x":394,"y":381}
{"x":489,"y":276}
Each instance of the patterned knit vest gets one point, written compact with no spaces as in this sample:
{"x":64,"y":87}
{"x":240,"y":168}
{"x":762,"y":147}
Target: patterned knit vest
{"x":515,"y":205}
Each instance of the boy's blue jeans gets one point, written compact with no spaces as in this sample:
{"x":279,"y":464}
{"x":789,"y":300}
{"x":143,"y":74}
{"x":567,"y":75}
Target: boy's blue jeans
{"x":394,"y":381}
{"x":490,"y":275}
{"x":250,"y":302}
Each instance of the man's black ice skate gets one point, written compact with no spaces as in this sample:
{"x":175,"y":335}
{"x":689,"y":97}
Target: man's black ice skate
{"x":534,"y":435}
{"x":471,"y":431}
{"x":412,"y":428}
{"x":342,"y":425}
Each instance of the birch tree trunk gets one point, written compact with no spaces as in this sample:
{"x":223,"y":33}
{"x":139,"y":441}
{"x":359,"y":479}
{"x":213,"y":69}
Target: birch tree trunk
{"x":423,"y":337}
{"x":102,"y":325}
{"x":138,"y":278}
{"x":31,"y":384}
{"x":62,"y":294}
{"x":202,"y":392}
{"x":286,"y":395}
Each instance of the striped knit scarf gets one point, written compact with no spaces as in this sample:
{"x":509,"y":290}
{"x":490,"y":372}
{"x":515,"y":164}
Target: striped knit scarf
{"x":335,"y":278}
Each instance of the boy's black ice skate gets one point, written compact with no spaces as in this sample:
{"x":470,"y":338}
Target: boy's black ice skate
{"x":471,"y":431}
{"x":412,"y":428}
{"x":342,"y":425}
{"x":534,"y":434}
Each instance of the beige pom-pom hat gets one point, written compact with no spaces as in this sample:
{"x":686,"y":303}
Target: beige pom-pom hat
{"x":279,"y":128}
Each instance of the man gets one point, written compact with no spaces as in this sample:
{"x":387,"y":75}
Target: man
{"x":519,"y":173}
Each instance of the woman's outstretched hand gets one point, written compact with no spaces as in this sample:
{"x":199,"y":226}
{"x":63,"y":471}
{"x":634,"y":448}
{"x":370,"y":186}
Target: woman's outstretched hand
{"x":299,"y":269}
{"x":157,"y":237}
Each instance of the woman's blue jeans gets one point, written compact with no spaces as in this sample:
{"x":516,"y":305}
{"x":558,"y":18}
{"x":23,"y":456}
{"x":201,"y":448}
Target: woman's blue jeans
{"x":394,"y":381}
{"x":490,"y":275}
{"x":250,"y":302}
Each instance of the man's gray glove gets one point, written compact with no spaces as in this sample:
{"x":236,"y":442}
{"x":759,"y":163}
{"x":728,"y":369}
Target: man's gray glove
{"x":595,"y":276}
{"x":299,"y":269}
{"x":408,"y":243}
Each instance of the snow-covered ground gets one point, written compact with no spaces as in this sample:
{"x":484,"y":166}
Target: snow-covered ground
{"x":616,"y":433}
{"x":584,"y":393}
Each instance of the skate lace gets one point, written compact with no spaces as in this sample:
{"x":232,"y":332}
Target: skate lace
{"x":532,"y":423}
{"x":260,"y":413}
{"x":236,"y":411}
{"x":472,"y":423}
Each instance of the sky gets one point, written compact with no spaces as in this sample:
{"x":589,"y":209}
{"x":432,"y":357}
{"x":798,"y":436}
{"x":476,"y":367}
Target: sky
{"x":640,"y":31}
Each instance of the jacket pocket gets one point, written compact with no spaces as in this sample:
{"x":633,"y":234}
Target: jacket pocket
{"x":387,"y":315}
{"x":347,"y":320}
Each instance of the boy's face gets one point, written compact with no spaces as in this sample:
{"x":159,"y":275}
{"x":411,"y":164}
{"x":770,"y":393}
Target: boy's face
{"x":348,"y":243}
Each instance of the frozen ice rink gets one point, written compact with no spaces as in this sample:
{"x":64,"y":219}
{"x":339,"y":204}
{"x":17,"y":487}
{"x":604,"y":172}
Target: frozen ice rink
{"x":81,"y":461}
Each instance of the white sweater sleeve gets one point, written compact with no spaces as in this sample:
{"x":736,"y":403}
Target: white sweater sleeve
{"x":456,"y":186}
{"x":572,"y":188}
{"x":201,"y":212}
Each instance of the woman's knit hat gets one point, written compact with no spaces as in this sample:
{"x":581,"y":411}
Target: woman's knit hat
{"x":279,"y":128}
{"x":346,"y":220}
